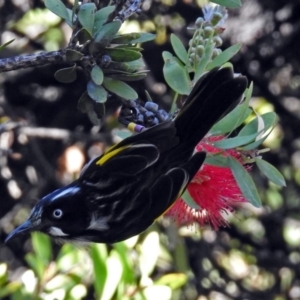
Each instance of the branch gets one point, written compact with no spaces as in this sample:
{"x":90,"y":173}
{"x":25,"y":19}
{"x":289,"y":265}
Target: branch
{"x":124,"y":9}
{"x":61,"y":134}
{"x":32,"y":60}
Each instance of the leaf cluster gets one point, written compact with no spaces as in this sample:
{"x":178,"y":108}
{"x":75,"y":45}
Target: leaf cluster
{"x":109,"y":272}
{"x":107,"y":57}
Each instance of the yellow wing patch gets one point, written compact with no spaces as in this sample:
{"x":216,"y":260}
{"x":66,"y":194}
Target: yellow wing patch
{"x":108,"y":155}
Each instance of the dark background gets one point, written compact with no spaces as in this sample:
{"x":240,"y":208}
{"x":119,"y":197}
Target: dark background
{"x":266,"y":239}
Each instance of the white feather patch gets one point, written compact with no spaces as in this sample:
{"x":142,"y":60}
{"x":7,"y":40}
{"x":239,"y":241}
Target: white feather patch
{"x":55,"y":231}
{"x":98,"y":223}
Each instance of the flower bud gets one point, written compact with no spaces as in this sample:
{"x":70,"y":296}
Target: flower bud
{"x":208,"y":31}
{"x":216,"y":52}
{"x":200,"y":50}
{"x":199,"y":40}
{"x":192,"y":55}
{"x":192,"y":50}
{"x":216,"y":17}
{"x":218,"y":41}
{"x":199,"y":22}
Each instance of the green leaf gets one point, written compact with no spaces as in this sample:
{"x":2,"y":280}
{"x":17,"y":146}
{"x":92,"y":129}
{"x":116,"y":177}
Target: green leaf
{"x":72,"y":17}
{"x":236,"y":117}
{"x":58,"y":8}
{"x":106,"y":33}
{"x":149,"y":253}
{"x":179,"y":48}
{"x":269,"y":120}
{"x":96,"y":92}
{"x":42,"y":246}
{"x":86,"y":16}
{"x":3,"y":274}
{"x":36,"y":264}
{"x":132,"y":66}
{"x":9,"y":289}
{"x":205,"y":59}
{"x":101,"y":17}
{"x":144,"y":37}
{"x":231,"y":121}
{"x":99,"y":109}
{"x":73,"y":55}
{"x":93,"y":117}
{"x":126,"y":39}
{"x":255,"y":144}
{"x":128,"y":268}
{"x":120,"y":88}
{"x":72,"y":13}
{"x":68,"y":256}
{"x":270,"y":172}
{"x":128,"y":76}
{"x":216,"y":160}
{"x":95,"y":110}
{"x":173,"y":280}
{"x":228,"y":3}
{"x":97,"y":75}
{"x":6,"y":44}
{"x":83,"y":36}
{"x":122,"y":134}
{"x":167,"y":55}
{"x":176,"y":75}
{"x":114,"y":275}
{"x":123,"y":55}
{"x":125,"y":68}
{"x":99,"y":256}
{"x":62,"y":281}
{"x":187,"y":198}
{"x":248,"y":93}
{"x":244,"y":182}
{"x":224,"y":57}
{"x":133,"y":38}
{"x":235,"y":141}
{"x":128,"y":47}
{"x":81,"y":105}
{"x":66,"y":75}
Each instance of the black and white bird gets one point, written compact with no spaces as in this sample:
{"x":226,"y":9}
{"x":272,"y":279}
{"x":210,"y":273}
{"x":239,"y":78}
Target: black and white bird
{"x":121,"y":193}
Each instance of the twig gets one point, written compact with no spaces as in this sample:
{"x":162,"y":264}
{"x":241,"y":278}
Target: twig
{"x":32,"y":60}
{"x":61,"y":134}
{"x":8,"y":126}
{"x":124,"y":9}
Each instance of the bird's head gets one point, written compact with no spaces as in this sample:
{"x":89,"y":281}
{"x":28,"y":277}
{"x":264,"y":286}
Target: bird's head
{"x":59,"y":214}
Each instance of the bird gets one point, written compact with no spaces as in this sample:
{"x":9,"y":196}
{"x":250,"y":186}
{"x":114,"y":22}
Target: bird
{"x":122,"y":192}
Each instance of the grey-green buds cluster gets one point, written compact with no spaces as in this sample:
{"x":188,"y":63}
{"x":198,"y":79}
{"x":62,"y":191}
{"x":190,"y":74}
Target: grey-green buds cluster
{"x":207,"y":30}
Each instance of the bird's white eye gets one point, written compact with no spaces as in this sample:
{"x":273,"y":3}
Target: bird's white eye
{"x":57,"y":213}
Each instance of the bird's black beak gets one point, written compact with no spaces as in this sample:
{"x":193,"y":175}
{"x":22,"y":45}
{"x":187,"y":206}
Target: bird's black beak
{"x":26,"y":227}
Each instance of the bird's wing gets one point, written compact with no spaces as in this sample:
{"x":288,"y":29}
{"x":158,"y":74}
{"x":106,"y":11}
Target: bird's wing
{"x":126,"y":160}
{"x":149,"y":204}
{"x":169,"y":187}
{"x":135,"y":153}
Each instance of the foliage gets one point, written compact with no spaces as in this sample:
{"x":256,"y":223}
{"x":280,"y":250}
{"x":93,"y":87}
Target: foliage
{"x":107,"y":57}
{"x":117,"y":273}
{"x":203,"y":55}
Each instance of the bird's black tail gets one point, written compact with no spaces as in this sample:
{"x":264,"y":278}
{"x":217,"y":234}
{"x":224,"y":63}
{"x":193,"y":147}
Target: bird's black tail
{"x":214,"y":95}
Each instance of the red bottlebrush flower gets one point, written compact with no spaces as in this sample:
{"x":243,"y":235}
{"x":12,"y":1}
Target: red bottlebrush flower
{"x":213,"y":189}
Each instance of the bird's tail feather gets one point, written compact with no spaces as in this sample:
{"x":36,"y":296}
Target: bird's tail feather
{"x":214,"y":95}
